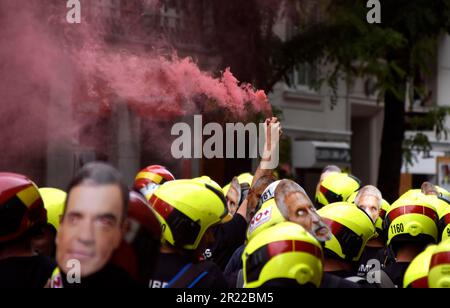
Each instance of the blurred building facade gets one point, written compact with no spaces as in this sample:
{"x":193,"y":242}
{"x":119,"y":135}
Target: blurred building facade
{"x":121,"y":137}
{"x":432,"y":166}
{"x":345,"y":128}
{"x":323,"y":128}
{"x":342,"y":128}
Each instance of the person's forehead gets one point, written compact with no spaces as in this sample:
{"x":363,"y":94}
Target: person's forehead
{"x":296,"y":195}
{"x":95,"y":199}
{"x":368,"y":198}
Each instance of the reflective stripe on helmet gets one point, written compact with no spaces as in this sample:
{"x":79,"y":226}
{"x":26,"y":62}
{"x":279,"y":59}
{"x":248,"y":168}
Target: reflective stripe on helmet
{"x":330,"y":195}
{"x":446,"y":219}
{"x":382,"y":213}
{"x":276,"y":248}
{"x":440,"y":258}
{"x":6,"y":194}
{"x":163,"y":208}
{"x":350,"y":242}
{"x":443,"y":223}
{"x":184,"y":230}
{"x":150,"y":176}
{"x":421,"y":283}
{"x":412,"y":209}
{"x":257,"y":260}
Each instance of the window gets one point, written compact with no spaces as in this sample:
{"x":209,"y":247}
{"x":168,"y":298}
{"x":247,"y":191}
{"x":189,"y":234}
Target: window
{"x":303,"y":77}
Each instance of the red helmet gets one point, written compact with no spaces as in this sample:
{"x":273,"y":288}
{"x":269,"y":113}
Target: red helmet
{"x":141,"y":241}
{"x":149,"y":178}
{"x":21,"y":206}
{"x":143,"y":214}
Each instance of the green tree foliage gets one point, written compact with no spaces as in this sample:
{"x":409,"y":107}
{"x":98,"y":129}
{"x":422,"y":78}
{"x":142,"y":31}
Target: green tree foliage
{"x":334,"y":33}
{"x":395,"y":52}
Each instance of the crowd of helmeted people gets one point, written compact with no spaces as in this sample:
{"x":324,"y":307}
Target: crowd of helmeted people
{"x":256,"y":232}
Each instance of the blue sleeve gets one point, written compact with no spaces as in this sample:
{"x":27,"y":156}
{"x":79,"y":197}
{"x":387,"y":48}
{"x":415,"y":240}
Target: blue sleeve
{"x":233,"y":267}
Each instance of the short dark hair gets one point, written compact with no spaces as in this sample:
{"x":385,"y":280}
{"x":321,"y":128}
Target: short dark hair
{"x":99,"y":173}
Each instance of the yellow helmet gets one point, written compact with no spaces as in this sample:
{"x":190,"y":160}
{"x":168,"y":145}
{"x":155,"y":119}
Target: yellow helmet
{"x":267,"y":216}
{"x":439,"y":273}
{"x":379,"y":222}
{"x":416,"y":275}
{"x":437,"y":201}
{"x":351,"y":228}
{"x":285,"y":253}
{"x":412,"y":218}
{"x":242,"y":178}
{"x":207,"y":180}
{"x":54,"y":200}
{"x":443,"y":192}
{"x":412,"y":193}
{"x":442,"y":209}
{"x":186,"y":209}
{"x":336,"y":187}
{"x":444,"y":223}
{"x":245,"y":178}
{"x":352,"y":197}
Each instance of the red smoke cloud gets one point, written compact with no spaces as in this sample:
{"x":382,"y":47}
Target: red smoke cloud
{"x":48,"y":65}
{"x":166,"y":85}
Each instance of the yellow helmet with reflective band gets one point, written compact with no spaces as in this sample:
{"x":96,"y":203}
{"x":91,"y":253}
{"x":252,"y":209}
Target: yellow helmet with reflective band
{"x":383,"y":210}
{"x":351,"y":228}
{"x":54,"y":200}
{"x":444,"y":223}
{"x":242,"y":178}
{"x":186,"y":209}
{"x":336,"y":187}
{"x":444,"y":192}
{"x":443,"y":211}
{"x":352,"y":197}
{"x":412,"y":218}
{"x":439,"y":272}
{"x":207,"y":180}
{"x":283,"y":255}
{"x":267,"y":216}
{"x":416,"y":275}
{"x":437,"y":202}
{"x":412,"y":193}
